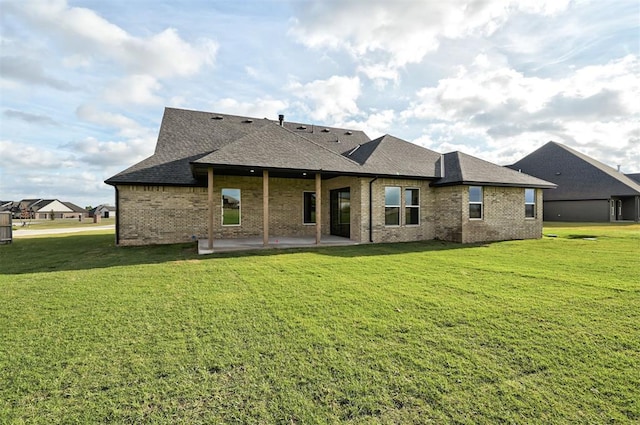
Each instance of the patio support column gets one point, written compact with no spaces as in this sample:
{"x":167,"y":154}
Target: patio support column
{"x":318,"y":208}
{"x":210,"y":202}
{"x":265,"y":207}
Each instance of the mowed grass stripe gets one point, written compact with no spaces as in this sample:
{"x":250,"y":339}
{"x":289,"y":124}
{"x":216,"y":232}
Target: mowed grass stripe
{"x":523,"y":331}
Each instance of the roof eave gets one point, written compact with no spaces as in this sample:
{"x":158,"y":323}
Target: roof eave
{"x":496,"y":184}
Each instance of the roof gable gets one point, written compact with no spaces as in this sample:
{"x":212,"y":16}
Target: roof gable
{"x":273,"y":146}
{"x":390,"y":155}
{"x":577,"y":175}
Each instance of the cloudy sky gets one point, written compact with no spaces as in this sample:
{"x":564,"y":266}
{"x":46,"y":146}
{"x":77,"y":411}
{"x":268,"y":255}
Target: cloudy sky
{"x":83,"y":84}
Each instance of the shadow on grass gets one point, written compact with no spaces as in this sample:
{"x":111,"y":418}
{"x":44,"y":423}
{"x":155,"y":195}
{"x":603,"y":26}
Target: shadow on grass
{"x":84,"y":252}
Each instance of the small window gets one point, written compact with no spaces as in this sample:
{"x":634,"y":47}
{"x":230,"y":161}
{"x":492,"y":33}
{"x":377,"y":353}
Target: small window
{"x":392,"y":206}
{"x":230,"y":207}
{"x":475,"y":202}
{"x":309,"y":206}
{"x":530,"y":203}
{"x":411,"y":207}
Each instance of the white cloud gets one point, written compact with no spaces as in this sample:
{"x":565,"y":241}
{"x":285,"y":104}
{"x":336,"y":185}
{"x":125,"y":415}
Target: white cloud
{"x":135,"y":89}
{"x":376,"y":124}
{"x":83,"y":34}
{"x":111,"y":153}
{"x":18,"y":158}
{"x":332,"y":99}
{"x":403,"y":32}
{"x":260,"y":108}
{"x":125,"y":126}
{"x":593,"y":107}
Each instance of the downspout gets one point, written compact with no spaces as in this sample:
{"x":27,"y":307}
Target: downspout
{"x":371,"y":209}
{"x":117,"y":216}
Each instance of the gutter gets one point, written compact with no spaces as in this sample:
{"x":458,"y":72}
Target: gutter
{"x":371,"y":208}
{"x":117,"y":216}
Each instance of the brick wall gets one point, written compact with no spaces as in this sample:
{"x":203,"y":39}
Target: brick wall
{"x":425,"y":230}
{"x":163,"y":214}
{"x":503,"y":216}
{"x":450,"y":212}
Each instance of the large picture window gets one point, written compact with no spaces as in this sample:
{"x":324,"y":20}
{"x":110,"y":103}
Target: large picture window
{"x":392,"y":206}
{"x":411,"y":207}
{"x":475,"y":202}
{"x":230,"y":207}
{"x":530,"y":203}
{"x":309,"y":207}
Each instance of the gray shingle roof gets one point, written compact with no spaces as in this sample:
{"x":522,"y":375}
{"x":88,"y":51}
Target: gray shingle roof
{"x":192,"y":140}
{"x":577,"y":175}
{"x":634,"y":176}
{"x":461,"y":168}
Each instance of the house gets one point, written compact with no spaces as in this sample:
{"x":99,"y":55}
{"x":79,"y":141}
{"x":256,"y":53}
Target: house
{"x":103,"y":211}
{"x":45,"y":209}
{"x":588,"y":190}
{"x":215,"y":176}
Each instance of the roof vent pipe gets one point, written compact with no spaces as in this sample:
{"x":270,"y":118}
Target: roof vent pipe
{"x":618,"y":167}
{"x":441,"y":166}
{"x":281,"y":119}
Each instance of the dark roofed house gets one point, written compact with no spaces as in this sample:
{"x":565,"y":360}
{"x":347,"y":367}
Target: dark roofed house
{"x":588,"y":190}
{"x":216,"y":176}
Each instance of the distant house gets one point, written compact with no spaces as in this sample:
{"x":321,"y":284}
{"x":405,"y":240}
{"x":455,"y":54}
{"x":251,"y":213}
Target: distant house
{"x":45,"y":209}
{"x":103,"y":211}
{"x":224,"y":176}
{"x":588,"y":190}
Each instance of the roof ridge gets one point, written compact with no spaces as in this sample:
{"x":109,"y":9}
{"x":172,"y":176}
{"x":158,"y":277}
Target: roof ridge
{"x":319,"y":145}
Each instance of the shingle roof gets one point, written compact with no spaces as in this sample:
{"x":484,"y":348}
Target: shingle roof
{"x":634,"y":176}
{"x":577,"y":175}
{"x":191,"y":140}
{"x":461,"y":168}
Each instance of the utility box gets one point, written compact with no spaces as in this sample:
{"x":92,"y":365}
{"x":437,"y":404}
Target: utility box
{"x":6,"y":227}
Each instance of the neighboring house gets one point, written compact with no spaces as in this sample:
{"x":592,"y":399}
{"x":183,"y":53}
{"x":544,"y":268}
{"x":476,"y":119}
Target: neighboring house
{"x":223,"y":176}
{"x":635,"y":177}
{"x":103,"y":211}
{"x":44,"y":209}
{"x":588,"y":190}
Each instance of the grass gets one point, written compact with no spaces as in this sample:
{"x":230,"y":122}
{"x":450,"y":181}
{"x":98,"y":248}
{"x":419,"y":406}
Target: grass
{"x":539,"y":331}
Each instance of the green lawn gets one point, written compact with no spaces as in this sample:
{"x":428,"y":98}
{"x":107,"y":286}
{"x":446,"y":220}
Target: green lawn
{"x":541,"y":331}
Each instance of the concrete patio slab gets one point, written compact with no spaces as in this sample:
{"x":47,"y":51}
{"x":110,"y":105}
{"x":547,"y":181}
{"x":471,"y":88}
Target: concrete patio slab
{"x":248,"y":244}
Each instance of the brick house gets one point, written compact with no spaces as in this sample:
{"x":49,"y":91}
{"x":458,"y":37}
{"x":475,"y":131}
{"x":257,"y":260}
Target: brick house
{"x":46,"y":209}
{"x":588,"y":190}
{"x":216,"y":176}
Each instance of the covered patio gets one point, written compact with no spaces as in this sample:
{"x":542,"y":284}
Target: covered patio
{"x":250,"y":244}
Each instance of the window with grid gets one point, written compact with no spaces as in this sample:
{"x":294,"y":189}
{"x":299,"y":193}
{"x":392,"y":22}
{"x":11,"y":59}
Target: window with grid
{"x":411,"y":207}
{"x":475,"y":202}
{"x":392,"y":206}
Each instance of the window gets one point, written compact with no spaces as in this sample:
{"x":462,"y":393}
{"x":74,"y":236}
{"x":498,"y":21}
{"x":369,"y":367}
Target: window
{"x":309,"y":207}
{"x":530,"y":203}
{"x":230,"y":207}
{"x":392,"y":206}
{"x":411,"y":207}
{"x":475,"y":202}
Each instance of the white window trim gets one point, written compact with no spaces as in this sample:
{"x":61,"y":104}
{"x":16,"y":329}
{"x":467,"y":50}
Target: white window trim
{"x":222,"y":208}
{"x":534,"y":203}
{"x":412,"y":206}
{"x":303,"y":192}
{"x":481,"y":203}
{"x":399,"y":206}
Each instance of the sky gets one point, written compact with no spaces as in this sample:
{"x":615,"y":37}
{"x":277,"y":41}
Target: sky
{"x":83,"y":84}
